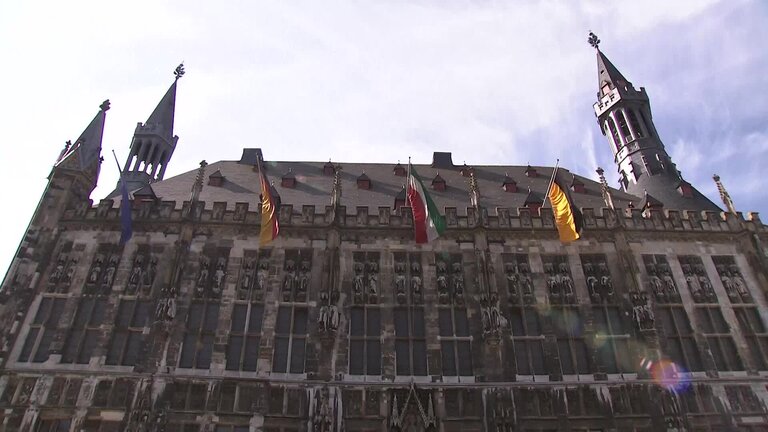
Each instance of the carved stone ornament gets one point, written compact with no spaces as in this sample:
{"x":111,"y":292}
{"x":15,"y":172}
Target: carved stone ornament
{"x":412,"y":410}
{"x":599,"y":283}
{"x":518,"y":276}
{"x":493,"y":320}
{"x":559,"y":282}
{"x":325,"y":410}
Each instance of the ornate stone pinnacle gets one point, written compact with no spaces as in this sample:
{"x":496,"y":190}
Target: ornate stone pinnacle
{"x":104,"y":105}
{"x":179,"y":71}
{"x":594,"y":41}
{"x":724,"y":195}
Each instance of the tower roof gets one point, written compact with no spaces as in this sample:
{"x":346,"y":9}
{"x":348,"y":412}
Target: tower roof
{"x":607,"y":72}
{"x":162,"y":117}
{"x":85,"y":153}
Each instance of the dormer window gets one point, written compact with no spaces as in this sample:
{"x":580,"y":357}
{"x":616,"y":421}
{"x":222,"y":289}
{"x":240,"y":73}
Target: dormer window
{"x":363,"y":182}
{"x":216,"y":179}
{"x":329,"y":169}
{"x":509,"y":185}
{"x":533,"y":201}
{"x":467,"y":171}
{"x":288,"y":180}
{"x":438,"y":183}
{"x":577,"y":185}
{"x":145,"y":194}
{"x":685,"y":189}
{"x":531,"y":172}
{"x":399,"y":170}
{"x":400,"y":198}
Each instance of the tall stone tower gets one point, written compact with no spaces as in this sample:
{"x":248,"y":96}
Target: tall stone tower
{"x":153,"y":143}
{"x":645,"y":169}
{"x":70,"y":184}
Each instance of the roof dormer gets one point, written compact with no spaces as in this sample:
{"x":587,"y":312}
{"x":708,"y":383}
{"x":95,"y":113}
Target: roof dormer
{"x":509,"y":184}
{"x":288,"y":180}
{"x":577,"y":185}
{"x":466,"y":171}
{"x":399,"y":170}
{"x":438,"y":183}
{"x":329,"y":169}
{"x":363,"y":182}
{"x":533,"y":201}
{"x":531,"y":172}
{"x":216,"y":179}
{"x":400,"y":198}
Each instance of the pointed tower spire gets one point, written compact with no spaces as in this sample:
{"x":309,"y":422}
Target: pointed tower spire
{"x":153,"y":142}
{"x":624,"y":116}
{"x":84,"y":156}
{"x":724,"y":194}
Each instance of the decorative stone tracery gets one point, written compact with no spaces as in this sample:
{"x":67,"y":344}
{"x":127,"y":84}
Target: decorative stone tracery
{"x":517,"y":273}
{"x":450,"y":279}
{"x":697,"y":280}
{"x":732,"y":280}
{"x":660,"y":282}
{"x":599,"y":282}
{"x":408,"y":280}
{"x":559,"y":280}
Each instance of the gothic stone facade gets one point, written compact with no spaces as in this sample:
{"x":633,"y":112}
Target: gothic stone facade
{"x":344,"y":323}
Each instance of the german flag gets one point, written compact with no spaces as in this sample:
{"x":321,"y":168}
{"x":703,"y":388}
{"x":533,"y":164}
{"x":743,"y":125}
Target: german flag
{"x":568,"y":218}
{"x":270,"y":204}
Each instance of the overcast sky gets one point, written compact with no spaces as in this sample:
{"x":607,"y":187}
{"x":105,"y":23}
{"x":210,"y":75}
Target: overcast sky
{"x":492,"y":82}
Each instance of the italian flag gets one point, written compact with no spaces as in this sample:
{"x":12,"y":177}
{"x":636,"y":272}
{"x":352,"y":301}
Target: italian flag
{"x":428,"y":224}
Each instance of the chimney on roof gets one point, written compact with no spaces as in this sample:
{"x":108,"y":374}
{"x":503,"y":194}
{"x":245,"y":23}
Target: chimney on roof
{"x":442,"y":160}
{"x":251,"y":156}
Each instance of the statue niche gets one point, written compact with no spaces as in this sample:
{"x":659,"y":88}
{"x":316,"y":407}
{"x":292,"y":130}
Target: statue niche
{"x":518,"y":276}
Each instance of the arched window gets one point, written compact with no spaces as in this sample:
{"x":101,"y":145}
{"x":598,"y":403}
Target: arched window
{"x":623,"y":126}
{"x":614,"y":133}
{"x":646,"y":124}
{"x":635,"y":124}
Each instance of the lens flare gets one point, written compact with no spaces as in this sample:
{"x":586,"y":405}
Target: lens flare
{"x":667,"y":374}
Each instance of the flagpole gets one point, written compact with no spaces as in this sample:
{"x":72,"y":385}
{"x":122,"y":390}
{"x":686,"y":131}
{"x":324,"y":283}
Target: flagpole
{"x":552,"y":180}
{"x":408,"y":179}
{"x":118,"y":164}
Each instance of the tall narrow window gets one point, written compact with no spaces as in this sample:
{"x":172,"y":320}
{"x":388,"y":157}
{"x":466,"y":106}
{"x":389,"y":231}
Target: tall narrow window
{"x":244,"y":336}
{"x":574,"y":355}
{"x":614,"y":133}
{"x":455,"y":342}
{"x":84,"y":334}
{"x":197,"y":348}
{"x":612,"y":340}
{"x":634,"y":123}
{"x":410,"y":344}
{"x":680,"y":345}
{"x":290,"y":340}
{"x":754,"y":332}
{"x":623,"y":126}
{"x":365,"y":341}
{"x":712,"y":324}
{"x":132,"y":318}
{"x":646,"y":124}
{"x":42,"y":330}
{"x":527,"y":341}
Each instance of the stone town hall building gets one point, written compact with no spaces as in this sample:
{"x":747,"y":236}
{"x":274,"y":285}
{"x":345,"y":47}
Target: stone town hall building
{"x":654,"y":320}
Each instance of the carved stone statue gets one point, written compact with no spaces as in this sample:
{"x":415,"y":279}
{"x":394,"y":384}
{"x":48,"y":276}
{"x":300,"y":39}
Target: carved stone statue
{"x":109,"y":273}
{"x":93,"y":276}
{"x":58,"y":272}
{"x":248,"y":273}
{"x":135,"y":276}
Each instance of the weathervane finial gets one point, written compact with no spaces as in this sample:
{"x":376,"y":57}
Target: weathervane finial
{"x":594,"y":41}
{"x":179,"y":71}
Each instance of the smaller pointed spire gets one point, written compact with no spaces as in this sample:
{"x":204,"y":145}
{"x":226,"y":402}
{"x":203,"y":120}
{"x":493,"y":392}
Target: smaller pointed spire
{"x":197,"y":187}
{"x":727,"y":201}
{"x":607,"y":73}
{"x":474,"y":191}
{"x":604,"y":189}
{"x":85,"y":153}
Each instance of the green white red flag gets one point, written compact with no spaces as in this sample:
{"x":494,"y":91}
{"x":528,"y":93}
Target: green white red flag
{"x":428,"y":224}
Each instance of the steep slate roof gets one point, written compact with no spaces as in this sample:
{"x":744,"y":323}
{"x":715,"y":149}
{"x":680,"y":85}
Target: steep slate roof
{"x":163,"y":115}
{"x":607,"y":72}
{"x":314,"y":188}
